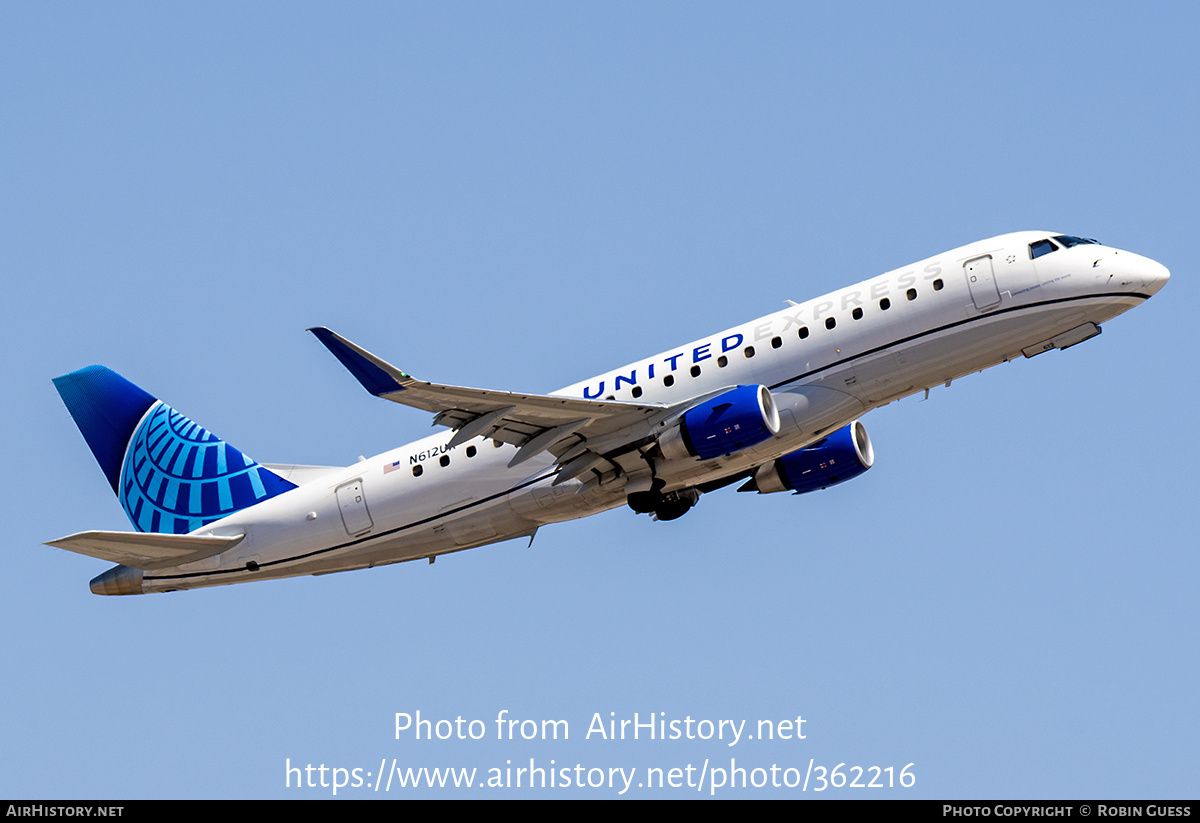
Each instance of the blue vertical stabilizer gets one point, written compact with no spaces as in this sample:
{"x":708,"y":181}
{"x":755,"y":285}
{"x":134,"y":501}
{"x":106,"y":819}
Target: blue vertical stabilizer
{"x":170,"y":474}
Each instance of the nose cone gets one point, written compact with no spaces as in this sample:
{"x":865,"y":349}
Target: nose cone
{"x":1128,"y":271}
{"x":1155,"y":275}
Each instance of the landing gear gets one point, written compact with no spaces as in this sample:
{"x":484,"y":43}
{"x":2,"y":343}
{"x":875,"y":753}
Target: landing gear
{"x":669,"y":506}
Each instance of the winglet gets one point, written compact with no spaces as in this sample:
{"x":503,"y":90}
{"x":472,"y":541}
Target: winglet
{"x":377,"y":376}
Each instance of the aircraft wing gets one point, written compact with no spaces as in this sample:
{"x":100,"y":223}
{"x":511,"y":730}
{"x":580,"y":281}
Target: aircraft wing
{"x":146,"y":550}
{"x":578,"y":432}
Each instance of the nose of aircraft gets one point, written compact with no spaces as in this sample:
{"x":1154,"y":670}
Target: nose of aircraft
{"x":1125,"y":269}
{"x":1155,"y":275}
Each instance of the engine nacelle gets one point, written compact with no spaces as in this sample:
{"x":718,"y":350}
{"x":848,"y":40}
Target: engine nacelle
{"x":736,"y":420}
{"x":841,"y":456}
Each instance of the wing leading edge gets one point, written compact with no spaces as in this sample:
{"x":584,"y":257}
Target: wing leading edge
{"x":578,"y":432}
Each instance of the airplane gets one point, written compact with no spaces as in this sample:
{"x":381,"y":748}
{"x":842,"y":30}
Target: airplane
{"x":774,"y":404}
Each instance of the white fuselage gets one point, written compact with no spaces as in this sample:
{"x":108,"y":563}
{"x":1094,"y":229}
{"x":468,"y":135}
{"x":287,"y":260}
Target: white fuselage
{"x":826,"y":362}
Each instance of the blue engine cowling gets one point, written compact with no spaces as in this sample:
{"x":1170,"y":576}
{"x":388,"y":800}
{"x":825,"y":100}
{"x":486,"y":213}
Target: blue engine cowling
{"x":732,"y":421}
{"x":841,"y":456}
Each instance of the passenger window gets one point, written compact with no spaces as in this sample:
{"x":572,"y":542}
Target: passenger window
{"x":912,"y":294}
{"x":637,"y":391}
{"x":885,"y":304}
{"x":776,"y":342}
{"x":471,"y":452}
{"x":722,"y":361}
{"x":669,"y":380}
{"x":695,"y":371}
{"x":749,"y":352}
{"x":830,"y":322}
{"x":856,"y":314}
{"x":445,"y":460}
{"x":938,"y":285}
{"x":418,"y":470}
{"x":803,"y":333}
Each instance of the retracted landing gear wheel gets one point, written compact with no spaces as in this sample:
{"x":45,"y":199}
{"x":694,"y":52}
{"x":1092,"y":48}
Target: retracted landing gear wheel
{"x":670,"y":506}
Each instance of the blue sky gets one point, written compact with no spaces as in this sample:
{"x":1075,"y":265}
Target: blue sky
{"x":518,"y":196}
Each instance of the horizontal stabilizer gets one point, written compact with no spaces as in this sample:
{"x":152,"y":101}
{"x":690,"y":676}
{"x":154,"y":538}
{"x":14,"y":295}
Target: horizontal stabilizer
{"x":147,"y":550}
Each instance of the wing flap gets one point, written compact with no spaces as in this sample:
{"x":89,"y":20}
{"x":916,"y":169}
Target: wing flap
{"x":146,"y":550}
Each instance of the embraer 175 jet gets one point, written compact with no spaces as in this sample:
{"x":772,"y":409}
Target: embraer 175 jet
{"x":774,"y":404}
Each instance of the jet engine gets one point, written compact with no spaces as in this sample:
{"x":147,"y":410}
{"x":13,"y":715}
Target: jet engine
{"x":732,"y":421}
{"x":841,"y":456}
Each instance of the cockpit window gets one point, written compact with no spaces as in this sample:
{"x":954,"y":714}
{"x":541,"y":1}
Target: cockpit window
{"x":1067,"y":241}
{"x":1040,"y":247}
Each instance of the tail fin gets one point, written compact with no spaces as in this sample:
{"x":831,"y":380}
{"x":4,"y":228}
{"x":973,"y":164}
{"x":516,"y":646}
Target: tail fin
{"x":170,"y":474}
